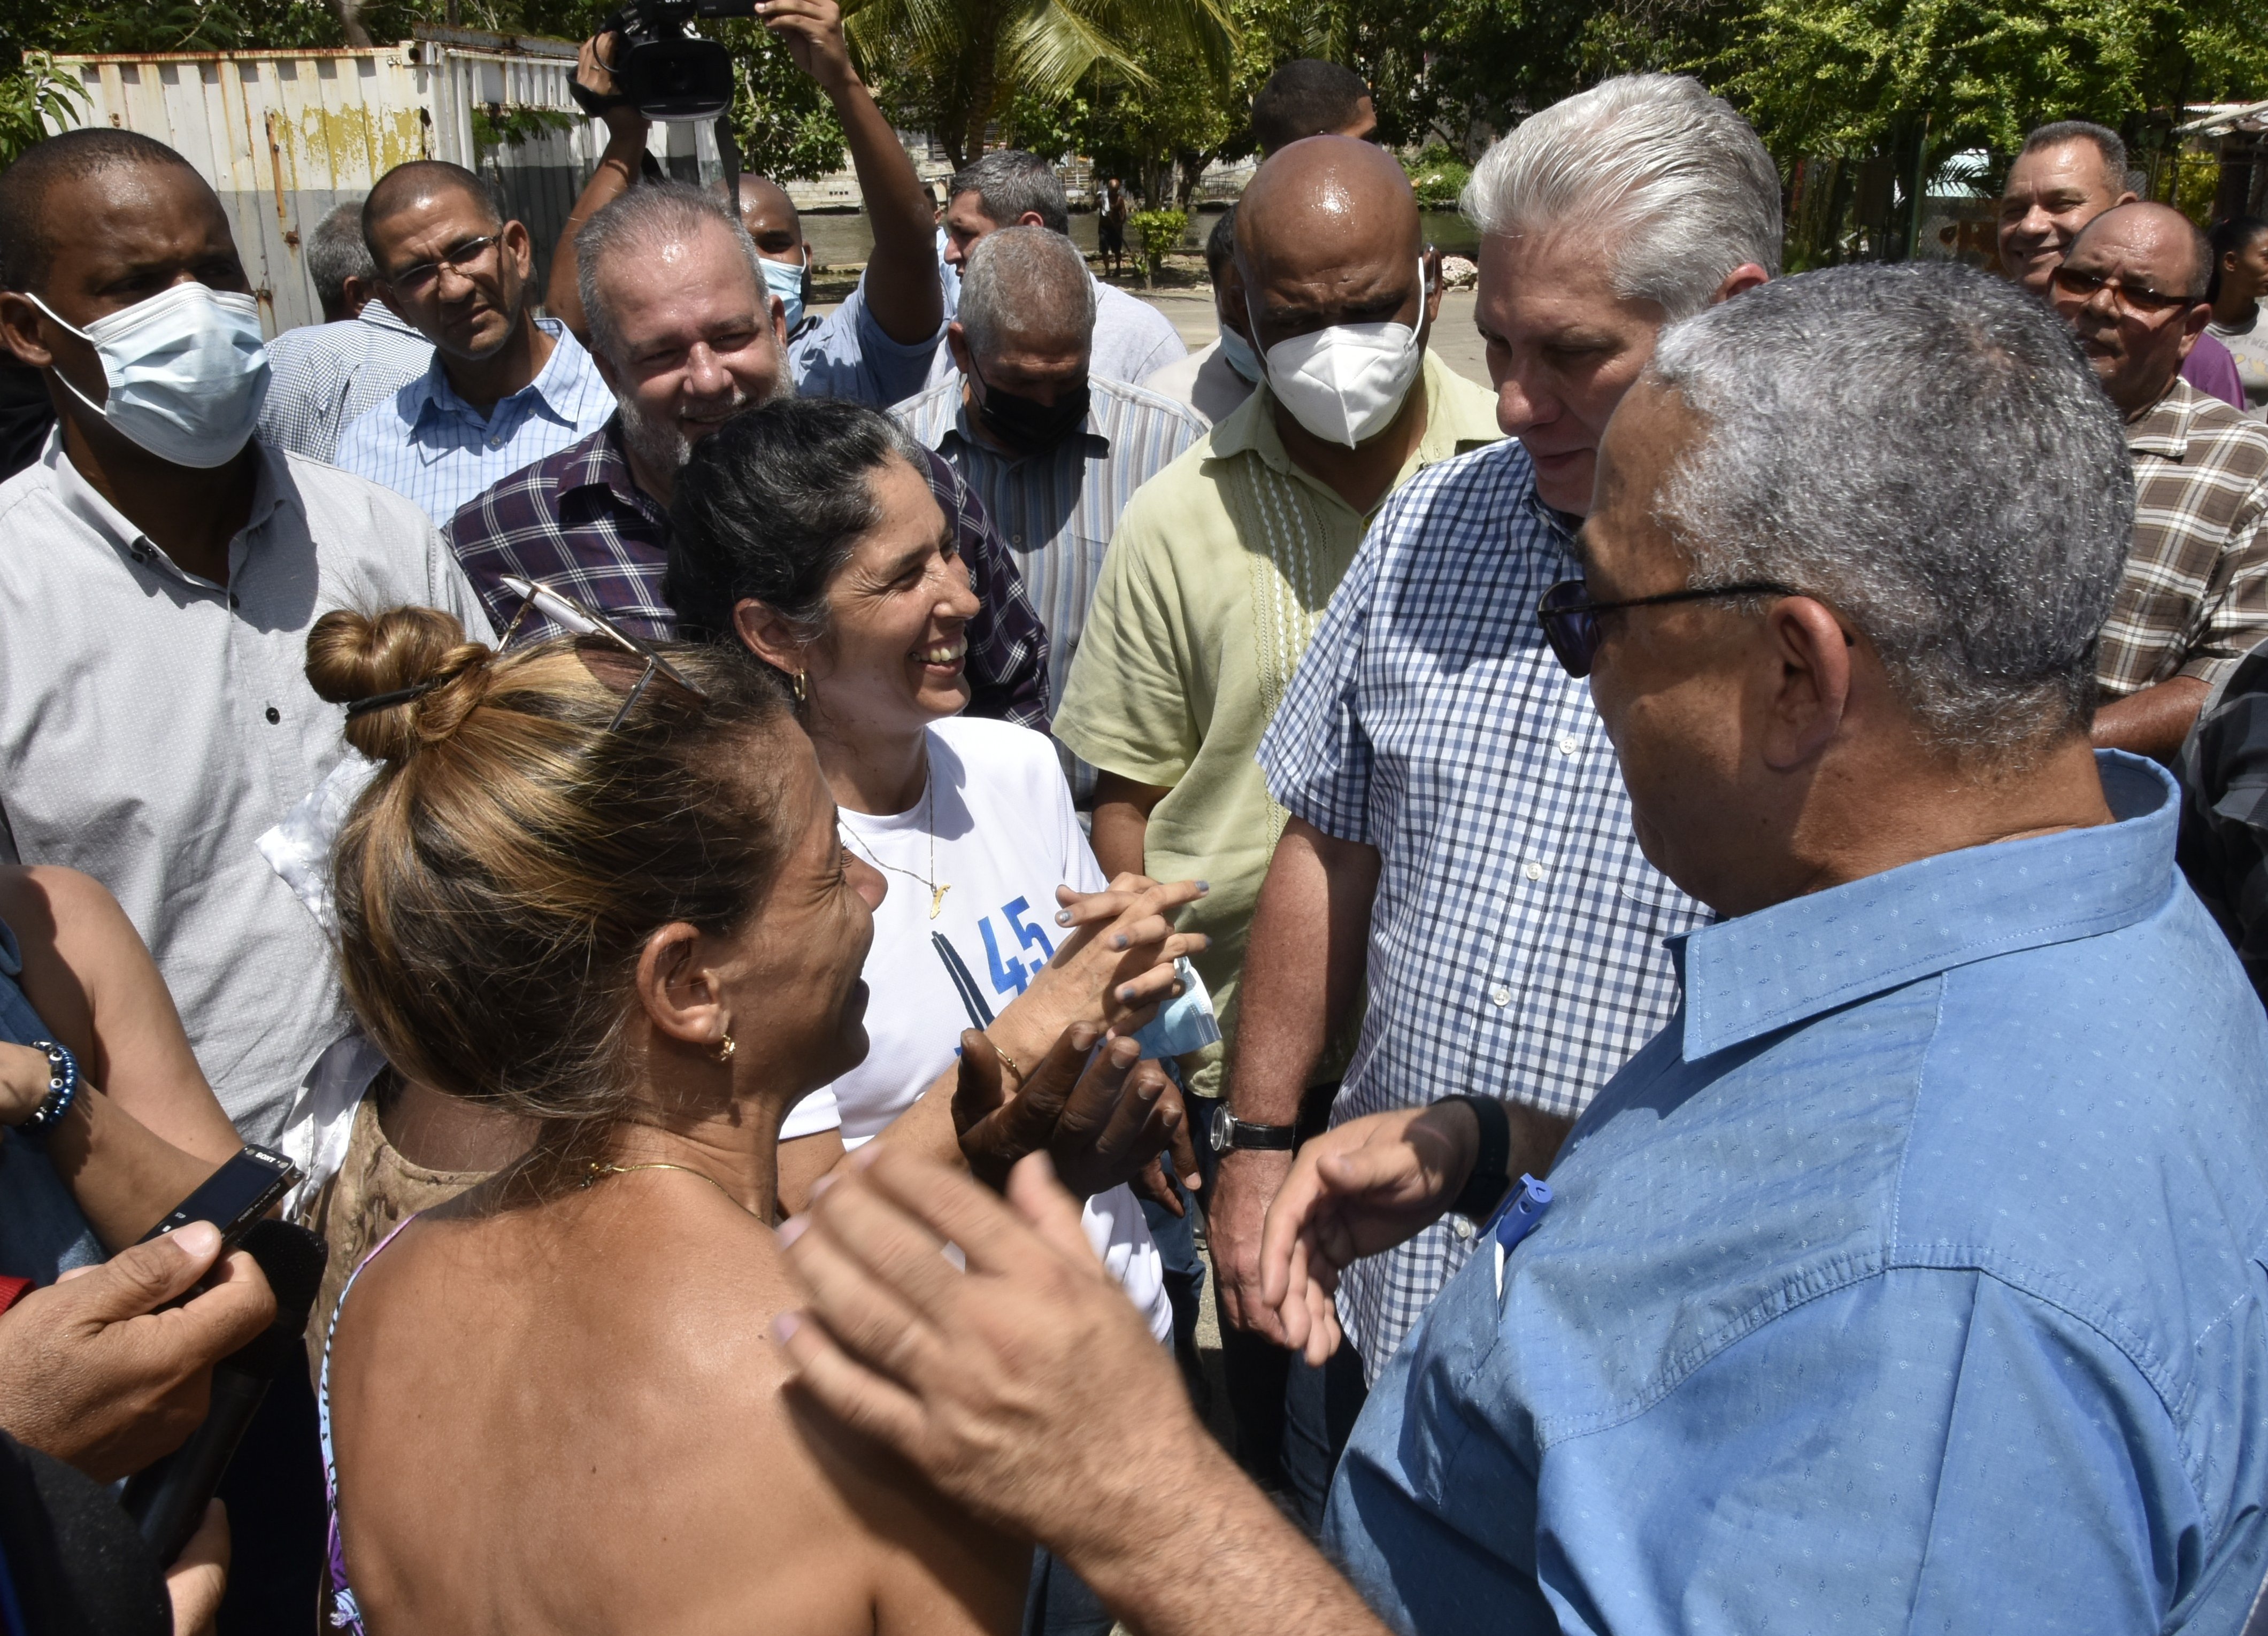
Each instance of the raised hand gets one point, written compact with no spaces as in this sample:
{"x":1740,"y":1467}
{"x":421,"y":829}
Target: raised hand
{"x":626,"y":127}
{"x":812,"y":31}
{"x":1117,"y":966}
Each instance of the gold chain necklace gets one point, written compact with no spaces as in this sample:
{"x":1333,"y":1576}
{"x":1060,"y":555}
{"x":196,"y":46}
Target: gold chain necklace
{"x":928,"y":822}
{"x":599,"y":1169}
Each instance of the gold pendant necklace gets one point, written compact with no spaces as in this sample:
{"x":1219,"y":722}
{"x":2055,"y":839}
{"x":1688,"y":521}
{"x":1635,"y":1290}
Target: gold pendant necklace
{"x":929,"y":821}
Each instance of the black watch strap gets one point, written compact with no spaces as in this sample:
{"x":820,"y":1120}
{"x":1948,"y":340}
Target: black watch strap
{"x":1485,"y":1188}
{"x":1230,"y":1134}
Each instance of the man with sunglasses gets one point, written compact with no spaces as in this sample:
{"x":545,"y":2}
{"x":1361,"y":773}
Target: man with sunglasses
{"x":2132,"y":287}
{"x":505,"y":388}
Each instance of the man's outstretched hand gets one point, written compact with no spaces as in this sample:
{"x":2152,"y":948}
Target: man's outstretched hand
{"x":1366,"y":1187}
{"x":1027,"y":1387}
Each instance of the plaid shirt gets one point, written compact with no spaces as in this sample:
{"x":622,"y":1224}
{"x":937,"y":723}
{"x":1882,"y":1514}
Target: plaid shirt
{"x":578,"y":521}
{"x":1515,"y":943}
{"x":2195,"y":596}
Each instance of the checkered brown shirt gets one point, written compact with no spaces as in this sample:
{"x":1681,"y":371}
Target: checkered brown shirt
{"x":2195,"y":596}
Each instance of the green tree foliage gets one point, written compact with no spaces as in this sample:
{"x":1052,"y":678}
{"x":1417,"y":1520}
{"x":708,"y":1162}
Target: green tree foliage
{"x":1438,"y":177}
{"x":782,"y":123}
{"x":957,"y":68}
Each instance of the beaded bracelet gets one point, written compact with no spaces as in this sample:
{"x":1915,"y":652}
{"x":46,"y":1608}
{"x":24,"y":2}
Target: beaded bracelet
{"x":63,"y":1088}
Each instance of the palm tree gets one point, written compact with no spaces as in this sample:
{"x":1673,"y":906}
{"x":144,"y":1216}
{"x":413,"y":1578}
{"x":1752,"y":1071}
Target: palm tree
{"x":959,"y":63}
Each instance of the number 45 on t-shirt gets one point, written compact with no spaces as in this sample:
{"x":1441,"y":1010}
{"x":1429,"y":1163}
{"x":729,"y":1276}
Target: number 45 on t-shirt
{"x":1010,"y":975}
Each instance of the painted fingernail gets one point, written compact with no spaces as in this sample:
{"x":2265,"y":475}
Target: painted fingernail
{"x":792,"y":1229}
{"x":1126,"y":993}
{"x":1205,"y":886}
{"x":784,"y":1325}
{"x":1062,"y":917}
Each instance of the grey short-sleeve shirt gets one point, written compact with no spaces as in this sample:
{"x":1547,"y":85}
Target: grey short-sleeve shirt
{"x":153,"y":725}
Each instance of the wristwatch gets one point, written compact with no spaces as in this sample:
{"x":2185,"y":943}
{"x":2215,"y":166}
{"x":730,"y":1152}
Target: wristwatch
{"x":1230,"y":1133}
{"x":1491,"y":1178}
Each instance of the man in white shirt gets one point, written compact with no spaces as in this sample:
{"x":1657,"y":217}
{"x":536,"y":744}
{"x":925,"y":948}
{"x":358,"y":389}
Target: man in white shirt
{"x":1009,"y":188}
{"x":159,"y":569}
{"x":506,"y":388}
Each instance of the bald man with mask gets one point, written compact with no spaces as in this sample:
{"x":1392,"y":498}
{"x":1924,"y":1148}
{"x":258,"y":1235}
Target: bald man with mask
{"x":1222,"y":565}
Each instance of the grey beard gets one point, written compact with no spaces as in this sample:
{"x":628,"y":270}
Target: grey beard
{"x":661,"y":447}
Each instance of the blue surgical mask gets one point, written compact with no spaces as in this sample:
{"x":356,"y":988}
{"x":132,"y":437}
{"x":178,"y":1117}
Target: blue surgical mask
{"x":1182,"y":1024}
{"x":1241,"y":357}
{"x":185,"y":373}
{"x":785,"y":279}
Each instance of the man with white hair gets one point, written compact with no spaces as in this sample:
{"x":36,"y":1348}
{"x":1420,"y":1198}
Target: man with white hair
{"x":1911,"y":1277}
{"x":1053,"y":451}
{"x":684,"y":332}
{"x":1458,"y":835}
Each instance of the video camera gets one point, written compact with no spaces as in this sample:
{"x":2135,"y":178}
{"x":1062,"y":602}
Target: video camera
{"x":659,"y":68}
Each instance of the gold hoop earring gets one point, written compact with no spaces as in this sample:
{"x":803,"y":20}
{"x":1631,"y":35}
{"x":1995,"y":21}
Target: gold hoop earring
{"x":802,"y":691}
{"x":726,"y":1048}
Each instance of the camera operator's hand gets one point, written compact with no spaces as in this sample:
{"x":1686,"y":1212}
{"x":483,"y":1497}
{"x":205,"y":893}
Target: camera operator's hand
{"x":626,"y":127}
{"x":93,"y":1374}
{"x":812,"y":31}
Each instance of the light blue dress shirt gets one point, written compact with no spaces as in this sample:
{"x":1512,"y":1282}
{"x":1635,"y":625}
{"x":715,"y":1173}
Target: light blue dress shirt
{"x":428,"y":444}
{"x":848,"y":355}
{"x":1910,"y":1280}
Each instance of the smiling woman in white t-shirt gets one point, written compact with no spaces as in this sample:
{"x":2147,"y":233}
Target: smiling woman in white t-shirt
{"x":807,"y":530}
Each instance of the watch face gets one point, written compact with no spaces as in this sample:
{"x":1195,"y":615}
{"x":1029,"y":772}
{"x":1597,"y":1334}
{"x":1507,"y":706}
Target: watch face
{"x":1224,"y":1130}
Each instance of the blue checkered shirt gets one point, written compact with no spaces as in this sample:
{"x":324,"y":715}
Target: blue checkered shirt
{"x":428,"y":444}
{"x":1516,"y":939}
{"x":323,"y":377}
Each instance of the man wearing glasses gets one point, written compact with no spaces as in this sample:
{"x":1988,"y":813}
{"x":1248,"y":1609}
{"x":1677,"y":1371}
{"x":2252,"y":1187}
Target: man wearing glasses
{"x":2132,"y":287}
{"x":505,"y":388}
{"x":2066,"y":174}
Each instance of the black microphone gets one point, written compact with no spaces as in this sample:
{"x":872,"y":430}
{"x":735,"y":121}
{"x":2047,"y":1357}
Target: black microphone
{"x":168,"y":1499}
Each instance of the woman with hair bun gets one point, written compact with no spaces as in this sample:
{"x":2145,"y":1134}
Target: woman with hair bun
{"x":598,"y":888}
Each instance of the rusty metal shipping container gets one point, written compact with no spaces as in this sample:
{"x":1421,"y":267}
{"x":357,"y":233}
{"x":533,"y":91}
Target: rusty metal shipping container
{"x":284,"y":136}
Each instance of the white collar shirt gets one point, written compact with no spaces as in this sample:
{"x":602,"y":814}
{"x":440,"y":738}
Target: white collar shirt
{"x":153,"y":724}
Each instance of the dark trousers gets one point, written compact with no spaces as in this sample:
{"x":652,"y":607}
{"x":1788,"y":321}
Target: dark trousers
{"x":278,"y":1521}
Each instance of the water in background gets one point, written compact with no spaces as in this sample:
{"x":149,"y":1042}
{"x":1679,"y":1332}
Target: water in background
{"x":839,"y":239}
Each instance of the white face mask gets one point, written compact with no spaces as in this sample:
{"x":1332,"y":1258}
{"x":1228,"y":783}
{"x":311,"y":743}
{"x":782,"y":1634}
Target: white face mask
{"x":1346,"y":383}
{"x":186,"y":370}
{"x":785,"y":279}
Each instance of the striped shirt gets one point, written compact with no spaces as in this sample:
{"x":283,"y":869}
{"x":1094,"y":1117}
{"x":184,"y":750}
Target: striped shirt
{"x":430,"y":445}
{"x":2195,"y":598}
{"x":323,"y":377}
{"x":1055,"y":511}
{"x":1515,"y":945}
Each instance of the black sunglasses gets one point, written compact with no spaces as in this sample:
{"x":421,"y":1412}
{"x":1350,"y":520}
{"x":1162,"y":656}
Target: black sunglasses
{"x":2136,"y":299}
{"x":1571,"y":618}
